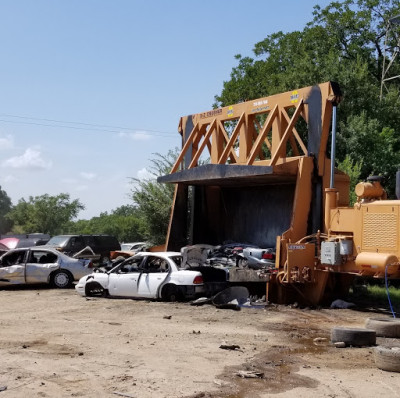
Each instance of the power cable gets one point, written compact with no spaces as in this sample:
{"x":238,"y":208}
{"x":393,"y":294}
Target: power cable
{"x":387,"y":292}
{"x":99,"y":127}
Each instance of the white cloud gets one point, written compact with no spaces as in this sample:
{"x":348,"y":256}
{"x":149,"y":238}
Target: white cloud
{"x":136,"y":136}
{"x":81,"y":188}
{"x":6,"y":142}
{"x":10,"y":178}
{"x":69,"y":181}
{"x":88,"y":176}
{"x":144,"y":174}
{"x":30,"y":159}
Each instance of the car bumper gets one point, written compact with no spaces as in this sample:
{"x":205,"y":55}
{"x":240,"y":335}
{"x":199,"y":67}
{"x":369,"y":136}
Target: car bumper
{"x":194,"y":291}
{"x":80,"y":288}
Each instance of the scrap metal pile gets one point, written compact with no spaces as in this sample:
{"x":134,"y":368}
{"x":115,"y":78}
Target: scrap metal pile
{"x":230,"y":254}
{"x":230,"y":262}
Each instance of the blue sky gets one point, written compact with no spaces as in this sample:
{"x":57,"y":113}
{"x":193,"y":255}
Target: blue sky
{"x":91,"y":89}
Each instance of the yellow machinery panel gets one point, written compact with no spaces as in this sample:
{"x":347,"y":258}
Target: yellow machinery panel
{"x":342,"y":220}
{"x":380,"y":228}
{"x":300,"y":262}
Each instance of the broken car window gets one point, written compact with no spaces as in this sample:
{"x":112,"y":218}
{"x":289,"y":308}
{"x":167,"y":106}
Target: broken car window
{"x":129,"y":266}
{"x":13,"y":258}
{"x":42,"y":257}
{"x":177,"y":260}
{"x":155,"y":264}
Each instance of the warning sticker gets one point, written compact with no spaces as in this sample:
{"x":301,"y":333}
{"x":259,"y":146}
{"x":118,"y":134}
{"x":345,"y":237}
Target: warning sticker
{"x":294,"y":97}
{"x":296,"y":247}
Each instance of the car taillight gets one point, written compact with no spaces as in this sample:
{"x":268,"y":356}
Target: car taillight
{"x":268,"y":256}
{"x":90,"y":265}
{"x":198,"y":280}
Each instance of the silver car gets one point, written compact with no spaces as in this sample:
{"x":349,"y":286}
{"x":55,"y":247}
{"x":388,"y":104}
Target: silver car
{"x":41,"y":265}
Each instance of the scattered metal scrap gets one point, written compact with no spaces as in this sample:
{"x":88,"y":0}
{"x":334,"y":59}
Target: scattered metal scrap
{"x":247,"y":374}
{"x":231,"y":298}
{"x":232,"y":347}
{"x":234,"y":298}
{"x":87,"y":253}
{"x":121,"y":394}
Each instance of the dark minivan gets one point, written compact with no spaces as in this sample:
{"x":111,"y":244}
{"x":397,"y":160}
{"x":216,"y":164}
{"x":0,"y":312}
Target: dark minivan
{"x":100,"y":244}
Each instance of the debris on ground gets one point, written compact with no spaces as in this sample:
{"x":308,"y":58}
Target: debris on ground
{"x":232,"y":347}
{"x":202,"y":301}
{"x":342,"y":305}
{"x":246,"y":374}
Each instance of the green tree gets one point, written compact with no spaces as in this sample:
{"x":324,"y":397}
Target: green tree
{"x":353,"y":170}
{"x":345,"y":43}
{"x":153,"y":199}
{"x":5,"y":207}
{"x":125,"y":223}
{"x":45,"y":213}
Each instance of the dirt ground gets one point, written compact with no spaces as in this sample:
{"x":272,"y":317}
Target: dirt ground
{"x":54,"y":343}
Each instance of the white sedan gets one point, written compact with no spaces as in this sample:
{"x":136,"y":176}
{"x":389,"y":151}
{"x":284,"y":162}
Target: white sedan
{"x":41,"y":265}
{"x":147,"y":275}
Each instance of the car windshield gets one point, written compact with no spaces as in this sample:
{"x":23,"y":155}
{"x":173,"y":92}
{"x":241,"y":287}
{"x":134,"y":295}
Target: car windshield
{"x":58,"y":241}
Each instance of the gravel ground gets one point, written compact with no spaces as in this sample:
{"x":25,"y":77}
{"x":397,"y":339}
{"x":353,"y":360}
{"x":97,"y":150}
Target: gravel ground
{"x":54,"y":343}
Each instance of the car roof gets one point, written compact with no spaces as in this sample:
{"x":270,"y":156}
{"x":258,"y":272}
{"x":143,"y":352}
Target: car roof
{"x":160,"y":254}
{"x":36,"y":248}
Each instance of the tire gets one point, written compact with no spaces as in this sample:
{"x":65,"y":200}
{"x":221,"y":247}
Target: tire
{"x":61,"y":279}
{"x":170,"y":293}
{"x":387,"y":358}
{"x":353,"y":337}
{"x":384,"y":327}
{"x":94,"y":289}
{"x":242,"y":262}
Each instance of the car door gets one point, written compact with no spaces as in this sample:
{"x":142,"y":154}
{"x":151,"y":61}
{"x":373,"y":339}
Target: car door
{"x":39,"y":265}
{"x":12,"y":267}
{"x":123,"y":279}
{"x":154,"y":272}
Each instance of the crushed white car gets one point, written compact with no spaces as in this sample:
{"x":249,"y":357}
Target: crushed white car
{"x":155,"y":275}
{"x":40,"y":265}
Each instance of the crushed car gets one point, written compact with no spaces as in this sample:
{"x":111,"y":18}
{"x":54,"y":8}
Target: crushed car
{"x":145,"y":275}
{"x":201,"y":258}
{"x":39,"y":265}
{"x":231,"y":262}
{"x":255,"y":258}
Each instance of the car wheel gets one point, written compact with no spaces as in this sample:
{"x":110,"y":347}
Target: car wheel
{"x":353,"y":336}
{"x":170,"y":293}
{"x":61,"y":279}
{"x":387,"y":358}
{"x":94,"y":289}
{"x":384,"y":327}
{"x":242,"y":262}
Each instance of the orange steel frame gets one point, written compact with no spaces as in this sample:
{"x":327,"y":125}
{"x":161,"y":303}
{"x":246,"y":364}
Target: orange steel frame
{"x":244,"y":145}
